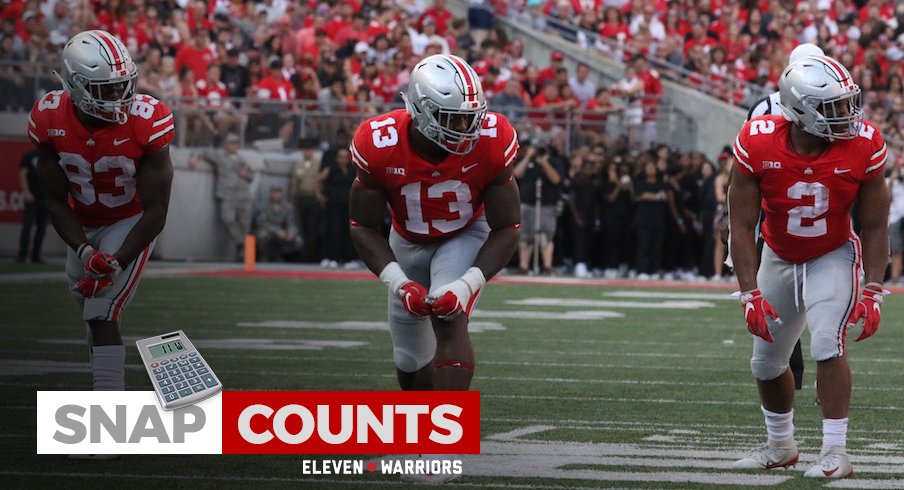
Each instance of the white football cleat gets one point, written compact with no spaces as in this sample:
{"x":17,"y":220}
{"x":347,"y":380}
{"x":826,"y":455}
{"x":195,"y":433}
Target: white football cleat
{"x":770,"y":455}
{"x":94,"y":457}
{"x":431,"y":478}
{"x":833,"y":462}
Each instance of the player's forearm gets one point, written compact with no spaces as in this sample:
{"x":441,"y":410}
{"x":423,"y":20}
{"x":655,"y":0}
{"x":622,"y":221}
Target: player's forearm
{"x":497,"y":250}
{"x":372,"y":247}
{"x":875,"y":252}
{"x":66,"y":223}
{"x":744,"y":256}
{"x":146,"y":229}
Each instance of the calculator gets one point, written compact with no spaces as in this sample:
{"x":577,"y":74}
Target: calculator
{"x":179,"y":373}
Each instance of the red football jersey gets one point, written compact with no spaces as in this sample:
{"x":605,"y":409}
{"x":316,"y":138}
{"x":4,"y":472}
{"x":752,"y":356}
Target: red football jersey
{"x":807,"y":200}
{"x":101,"y":164}
{"x":431,"y":201}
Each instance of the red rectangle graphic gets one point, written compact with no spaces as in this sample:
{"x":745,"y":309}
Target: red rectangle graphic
{"x":351,"y":422}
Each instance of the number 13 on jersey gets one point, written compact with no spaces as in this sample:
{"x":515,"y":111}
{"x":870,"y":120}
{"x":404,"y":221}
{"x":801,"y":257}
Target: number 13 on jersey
{"x":415,"y":204}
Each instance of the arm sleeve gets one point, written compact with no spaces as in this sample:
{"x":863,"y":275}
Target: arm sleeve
{"x":365,"y":156}
{"x":878,"y":150}
{"x":741,"y":150}
{"x":508,"y":137}
{"x":156,"y":131}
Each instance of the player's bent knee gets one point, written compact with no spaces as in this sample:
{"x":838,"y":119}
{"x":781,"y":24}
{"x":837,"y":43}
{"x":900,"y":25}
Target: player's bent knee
{"x":766,"y":370}
{"x":408,"y":362}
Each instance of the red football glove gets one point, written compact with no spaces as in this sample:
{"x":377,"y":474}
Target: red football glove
{"x":756,"y":309}
{"x":414,"y":299}
{"x":89,"y":286}
{"x":412,"y":294}
{"x":459,"y":295}
{"x":98,"y":263}
{"x":868,"y":309}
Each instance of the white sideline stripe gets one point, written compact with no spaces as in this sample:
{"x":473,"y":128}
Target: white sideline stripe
{"x":163,"y":121}
{"x":597,"y":303}
{"x":548,"y":315}
{"x":515,"y":434}
{"x":356,"y":325}
{"x":670,"y":295}
{"x":871,"y":484}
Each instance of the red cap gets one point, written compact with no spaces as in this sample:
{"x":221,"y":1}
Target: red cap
{"x":557,"y":56}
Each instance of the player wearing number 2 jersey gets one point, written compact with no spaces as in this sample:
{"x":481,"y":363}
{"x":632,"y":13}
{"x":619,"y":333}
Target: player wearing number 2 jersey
{"x":105,"y":165}
{"x":805,"y":169}
{"x":444,"y":166}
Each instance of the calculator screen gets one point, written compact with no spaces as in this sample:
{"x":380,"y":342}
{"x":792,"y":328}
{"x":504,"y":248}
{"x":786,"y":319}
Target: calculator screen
{"x":170,"y":347}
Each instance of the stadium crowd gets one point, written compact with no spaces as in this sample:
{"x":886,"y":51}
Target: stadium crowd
{"x":621,"y":203}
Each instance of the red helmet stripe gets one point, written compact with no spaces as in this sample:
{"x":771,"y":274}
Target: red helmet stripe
{"x":470,"y":88}
{"x":842,"y":73}
{"x":112,"y":47}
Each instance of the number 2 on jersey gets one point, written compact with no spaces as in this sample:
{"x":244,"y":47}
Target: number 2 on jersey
{"x":461,"y":205}
{"x":797,"y":214}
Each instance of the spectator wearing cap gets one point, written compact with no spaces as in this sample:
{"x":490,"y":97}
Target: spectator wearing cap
{"x":429,"y":36}
{"x":235,"y":76}
{"x":698,"y":37}
{"x":440,"y":14}
{"x":491,"y":83}
{"x":584,"y":88}
{"x":510,"y":102}
{"x":556,"y":61}
{"x":275,"y":230}
{"x":355,"y":62}
{"x":196,"y":56}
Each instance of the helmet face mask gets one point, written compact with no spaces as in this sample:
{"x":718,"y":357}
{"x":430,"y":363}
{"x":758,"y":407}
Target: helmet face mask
{"x":818,"y":94}
{"x":99,"y":75}
{"x":446,"y":103}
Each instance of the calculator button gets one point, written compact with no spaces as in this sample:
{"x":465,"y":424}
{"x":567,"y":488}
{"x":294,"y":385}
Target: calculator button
{"x":154,"y":364}
{"x":160,"y":376}
{"x":174,"y":373}
{"x":183,"y":356}
{"x":192,"y":353}
{"x":181,"y":385}
{"x":198,"y":365}
{"x":190,"y":374}
{"x":164,"y":382}
{"x":193,"y":381}
{"x":171,"y":397}
{"x":194,"y":359}
{"x":186,"y":369}
{"x":184,"y":363}
{"x":177,"y":378}
{"x":167,"y":389}
{"x":164,"y":362}
{"x":208,"y":380}
{"x":203,"y":371}
{"x":158,"y":370}
{"x":198,"y":388}
{"x":185,"y":392}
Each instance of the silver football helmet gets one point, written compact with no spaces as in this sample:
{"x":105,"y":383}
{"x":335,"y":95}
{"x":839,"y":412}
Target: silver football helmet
{"x":446,"y":102}
{"x":818,"y":94}
{"x":99,"y":75}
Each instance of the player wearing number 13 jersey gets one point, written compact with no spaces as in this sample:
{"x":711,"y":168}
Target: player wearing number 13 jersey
{"x":444,"y":166}
{"x":805,"y":169}
{"x":105,"y":165}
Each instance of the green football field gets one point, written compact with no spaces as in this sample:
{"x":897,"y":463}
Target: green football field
{"x":581,"y":387}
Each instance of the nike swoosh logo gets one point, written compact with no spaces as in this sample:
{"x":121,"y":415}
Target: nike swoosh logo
{"x":119,"y":142}
{"x":842,"y":170}
{"x":465,"y":170}
{"x":748,"y":308}
{"x":829,"y":473}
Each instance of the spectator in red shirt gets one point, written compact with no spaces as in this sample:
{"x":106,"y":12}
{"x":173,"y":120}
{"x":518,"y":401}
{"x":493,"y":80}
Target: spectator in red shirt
{"x":196,"y":56}
{"x":356,"y":31}
{"x":131,"y":32}
{"x":556,"y":60}
{"x":699,"y":37}
{"x":274,"y":86}
{"x":211,"y":87}
{"x":440,"y":14}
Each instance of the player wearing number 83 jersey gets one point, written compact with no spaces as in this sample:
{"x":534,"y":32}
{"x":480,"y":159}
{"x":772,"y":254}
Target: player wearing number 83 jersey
{"x":106,"y":170}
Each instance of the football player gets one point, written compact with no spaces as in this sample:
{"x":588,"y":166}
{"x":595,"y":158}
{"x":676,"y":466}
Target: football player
{"x":807,"y":167}
{"x":444,"y":166}
{"x":105,"y":166}
{"x":771,"y":104}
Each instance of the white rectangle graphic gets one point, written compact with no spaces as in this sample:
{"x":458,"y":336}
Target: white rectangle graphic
{"x":125,"y":422}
